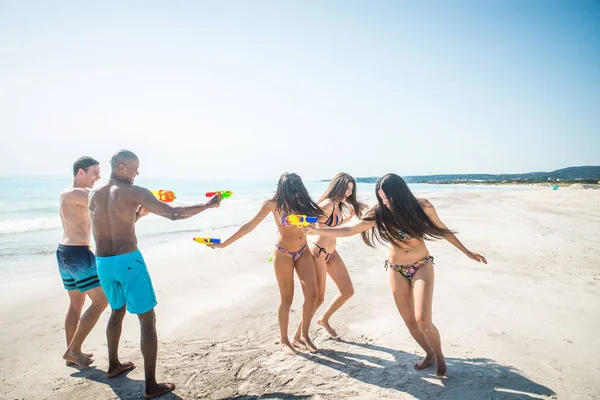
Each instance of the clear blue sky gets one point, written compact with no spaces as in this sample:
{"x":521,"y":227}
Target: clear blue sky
{"x":248,"y":90}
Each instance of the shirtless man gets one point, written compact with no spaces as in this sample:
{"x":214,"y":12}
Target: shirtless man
{"x":115,"y":207}
{"x":76,"y":263}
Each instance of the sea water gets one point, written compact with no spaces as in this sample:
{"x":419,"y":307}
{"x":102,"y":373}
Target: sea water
{"x":30,"y":226}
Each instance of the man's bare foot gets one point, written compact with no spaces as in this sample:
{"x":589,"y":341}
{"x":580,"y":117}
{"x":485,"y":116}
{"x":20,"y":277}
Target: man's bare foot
{"x":441,"y":368}
{"x":288,"y":349}
{"x":159,"y":390}
{"x":297,"y":342}
{"x":327,"y":327}
{"x":424,"y":363}
{"x":77,"y":358}
{"x":88,"y":355}
{"x":309,"y":345}
{"x":117,"y":370}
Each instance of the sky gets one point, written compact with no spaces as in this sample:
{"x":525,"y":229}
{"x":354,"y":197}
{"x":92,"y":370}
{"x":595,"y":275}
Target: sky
{"x":251,"y":89}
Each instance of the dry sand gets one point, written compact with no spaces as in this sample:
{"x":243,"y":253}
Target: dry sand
{"x":524,"y":326}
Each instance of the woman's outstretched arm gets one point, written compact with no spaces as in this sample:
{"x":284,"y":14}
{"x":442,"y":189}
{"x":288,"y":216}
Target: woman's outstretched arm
{"x":433,"y":216}
{"x":350,"y":229}
{"x":248,"y":227}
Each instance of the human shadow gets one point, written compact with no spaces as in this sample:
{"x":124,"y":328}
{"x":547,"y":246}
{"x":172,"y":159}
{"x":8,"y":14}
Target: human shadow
{"x":467,"y":378}
{"x":275,"y":395}
{"x":123,"y":387}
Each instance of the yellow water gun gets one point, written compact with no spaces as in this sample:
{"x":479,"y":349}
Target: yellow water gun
{"x":204,"y":240}
{"x":166,"y":196}
{"x":301,"y":220}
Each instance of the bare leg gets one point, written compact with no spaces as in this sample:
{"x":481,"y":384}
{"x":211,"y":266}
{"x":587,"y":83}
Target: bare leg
{"x":403,"y":296}
{"x":76,"y":302}
{"x":113,"y":334}
{"x":423,"y":297}
{"x":305,"y":268}
{"x":339,"y":273}
{"x":284,"y":272}
{"x":149,"y":344}
{"x":321,"y":270}
{"x":84,"y":327}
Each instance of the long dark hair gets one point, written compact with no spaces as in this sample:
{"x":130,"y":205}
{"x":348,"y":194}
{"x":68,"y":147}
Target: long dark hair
{"x":292,"y":197}
{"x":404,"y":215}
{"x":336,"y":191}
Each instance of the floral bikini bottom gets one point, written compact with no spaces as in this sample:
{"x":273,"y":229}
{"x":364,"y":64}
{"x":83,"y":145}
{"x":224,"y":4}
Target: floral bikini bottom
{"x":408,"y":270}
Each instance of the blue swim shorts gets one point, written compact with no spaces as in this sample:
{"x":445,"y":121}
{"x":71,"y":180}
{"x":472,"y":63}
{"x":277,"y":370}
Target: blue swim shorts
{"x":77,"y":267}
{"x":126,"y":281}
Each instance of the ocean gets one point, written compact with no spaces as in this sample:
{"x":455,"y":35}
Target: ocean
{"x":30,"y":226}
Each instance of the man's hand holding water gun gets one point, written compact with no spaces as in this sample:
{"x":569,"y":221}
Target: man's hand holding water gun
{"x":225,"y":194}
{"x":157,"y":202}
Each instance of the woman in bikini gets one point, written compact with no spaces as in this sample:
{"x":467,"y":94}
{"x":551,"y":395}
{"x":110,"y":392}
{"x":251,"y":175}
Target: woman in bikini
{"x":291,"y":197}
{"x":405,"y":222}
{"x":339,"y":203}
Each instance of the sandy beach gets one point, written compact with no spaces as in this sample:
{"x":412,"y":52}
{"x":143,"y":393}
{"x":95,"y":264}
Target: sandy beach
{"x":524,"y":326}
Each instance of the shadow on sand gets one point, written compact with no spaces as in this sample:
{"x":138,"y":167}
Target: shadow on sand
{"x":123,"y":387}
{"x":478,"y":378}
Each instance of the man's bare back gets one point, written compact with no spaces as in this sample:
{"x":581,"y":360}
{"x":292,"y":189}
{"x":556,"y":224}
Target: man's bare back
{"x":75,"y":217}
{"x":114,"y":208}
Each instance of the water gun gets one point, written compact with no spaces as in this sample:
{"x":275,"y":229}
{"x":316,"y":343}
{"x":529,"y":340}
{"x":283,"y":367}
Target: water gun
{"x":164,"y":195}
{"x":207,"y":240}
{"x":301,"y":220}
{"x":224,"y":194}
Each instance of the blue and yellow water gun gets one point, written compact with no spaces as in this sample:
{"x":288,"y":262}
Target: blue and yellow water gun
{"x":207,"y":240}
{"x":301,"y":220}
